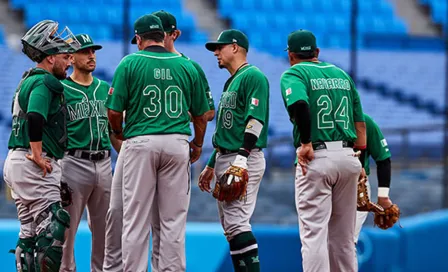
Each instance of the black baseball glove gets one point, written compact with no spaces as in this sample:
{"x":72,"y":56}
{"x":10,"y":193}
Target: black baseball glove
{"x":66,"y":195}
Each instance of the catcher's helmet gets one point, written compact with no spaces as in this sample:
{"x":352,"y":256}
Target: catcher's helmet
{"x":43,"y":40}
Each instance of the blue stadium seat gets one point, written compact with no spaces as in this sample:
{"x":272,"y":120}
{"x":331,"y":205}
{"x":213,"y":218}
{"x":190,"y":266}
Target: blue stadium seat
{"x":2,"y":35}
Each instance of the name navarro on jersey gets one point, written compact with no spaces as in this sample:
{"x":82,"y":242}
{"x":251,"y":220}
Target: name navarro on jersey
{"x":330,"y":84}
{"x":87,"y":109}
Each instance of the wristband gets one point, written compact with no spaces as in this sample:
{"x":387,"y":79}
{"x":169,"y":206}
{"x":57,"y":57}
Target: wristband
{"x":383,"y":192}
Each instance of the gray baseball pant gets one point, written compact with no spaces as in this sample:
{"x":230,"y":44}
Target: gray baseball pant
{"x":90,"y":182}
{"x":113,"y":261}
{"x":235,"y":216}
{"x":324,"y":198}
{"x":150,"y":162}
{"x":31,"y":192}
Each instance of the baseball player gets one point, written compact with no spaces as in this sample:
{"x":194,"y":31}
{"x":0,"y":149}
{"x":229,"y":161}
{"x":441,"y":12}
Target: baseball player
{"x":37,"y":141}
{"x":325,"y":110}
{"x":87,"y":166}
{"x":377,"y":148}
{"x":157,"y":89}
{"x":113,"y":258}
{"x":240,"y":135}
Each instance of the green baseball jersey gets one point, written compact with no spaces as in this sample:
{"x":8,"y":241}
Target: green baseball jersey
{"x":39,"y":92}
{"x":203,"y":78}
{"x":87,"y":125}
{"x":245,"y":96}
{"x":332,"y":98}
{"x":376,"y":143}
{"x":157,"y":90}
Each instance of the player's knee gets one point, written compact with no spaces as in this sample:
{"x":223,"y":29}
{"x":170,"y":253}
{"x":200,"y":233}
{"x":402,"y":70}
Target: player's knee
{"x":234,"y":230}
{"x":50,"y":241}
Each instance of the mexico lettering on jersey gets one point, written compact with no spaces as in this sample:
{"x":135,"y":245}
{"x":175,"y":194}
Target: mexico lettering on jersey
{"x":245,"y":96}
{"x":332,"y":98}
{"x":87,"y":125}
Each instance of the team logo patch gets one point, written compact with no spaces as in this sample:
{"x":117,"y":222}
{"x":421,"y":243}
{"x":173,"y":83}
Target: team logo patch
{"x":288,"y":91}
{"x":111,"y":90}
{"x":254,"y":101}
{"x":383,"y":142}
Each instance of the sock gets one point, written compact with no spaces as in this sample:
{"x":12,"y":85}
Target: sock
{"x":244,"y":252}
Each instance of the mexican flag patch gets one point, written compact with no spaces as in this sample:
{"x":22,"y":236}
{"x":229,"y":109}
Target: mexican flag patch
{"x":254,"y":101}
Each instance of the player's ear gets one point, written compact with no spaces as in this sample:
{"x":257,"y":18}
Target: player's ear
{"x":235,"y":48}
{"x":51,"y":59}
{"x":178,"y":33}
{"x":291,"y":57}
{"x":72,"y":58}
{"x":316,"y":53}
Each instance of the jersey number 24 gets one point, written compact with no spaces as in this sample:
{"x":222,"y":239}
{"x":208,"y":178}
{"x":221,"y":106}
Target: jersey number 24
{"x":326,"y":117}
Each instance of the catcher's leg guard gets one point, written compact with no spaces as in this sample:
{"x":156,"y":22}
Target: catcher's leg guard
{"x":25,"y":254}
{"x":49,"y":243}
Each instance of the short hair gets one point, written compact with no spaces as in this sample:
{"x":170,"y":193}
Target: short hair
{"x":305,"y":55}
{"x":156,"y":36}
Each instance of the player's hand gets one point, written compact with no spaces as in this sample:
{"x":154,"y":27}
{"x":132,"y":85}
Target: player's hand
{"x":205,"y":178}
{"x":43,"y":163}
{"x":305,"y":155}
{"x":385,"y":202}
{"x":363,"y":173}
{"x":195,"y":151}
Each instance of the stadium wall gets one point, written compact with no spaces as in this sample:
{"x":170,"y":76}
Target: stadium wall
{"x":418,"y":245}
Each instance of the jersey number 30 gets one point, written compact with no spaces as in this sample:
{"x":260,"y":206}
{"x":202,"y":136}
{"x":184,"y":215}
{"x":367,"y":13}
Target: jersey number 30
{"x":173,"y":101}
{"x":326,"y":117}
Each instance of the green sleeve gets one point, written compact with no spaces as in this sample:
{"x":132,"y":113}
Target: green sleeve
{"x":376,"y":143}
{"x":358,"y":115}
{"x":117,"y":99}
{"x":203,"y":79}
{"x":257,"y":96}
{"x":40,"y":100}
{"x":199,"y":102}
{"x":212,"y":159}
{"x":293,"y":88}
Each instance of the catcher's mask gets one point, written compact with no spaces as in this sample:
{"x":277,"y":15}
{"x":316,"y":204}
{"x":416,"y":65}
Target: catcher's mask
{"x":43,"y":40}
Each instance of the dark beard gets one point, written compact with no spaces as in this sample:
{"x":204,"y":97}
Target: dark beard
{"x":60,"y":76}
{"x":221,"y":66}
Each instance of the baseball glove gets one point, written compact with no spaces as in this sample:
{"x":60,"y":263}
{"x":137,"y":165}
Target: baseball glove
{"x":232,"y":185}
{"x":364,"y":203}
{"x":66,"y":195}
{"x":388,"y":217}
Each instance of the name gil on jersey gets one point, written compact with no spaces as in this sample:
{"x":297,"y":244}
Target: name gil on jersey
{"x":87,"y":109}
{"x":330,"y":84}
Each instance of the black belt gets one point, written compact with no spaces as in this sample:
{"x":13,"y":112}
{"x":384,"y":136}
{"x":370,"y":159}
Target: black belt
{"x":90,"y":155}
{"x":227,"y":151}
{"x":321,"y":145}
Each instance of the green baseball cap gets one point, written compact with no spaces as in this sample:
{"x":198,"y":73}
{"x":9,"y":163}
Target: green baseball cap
{"x":168,"y":20}
{"x":86,"y":42}
{"x":228,"y":37}
{"x":301,"y":41}
{"x":146,"y":23}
